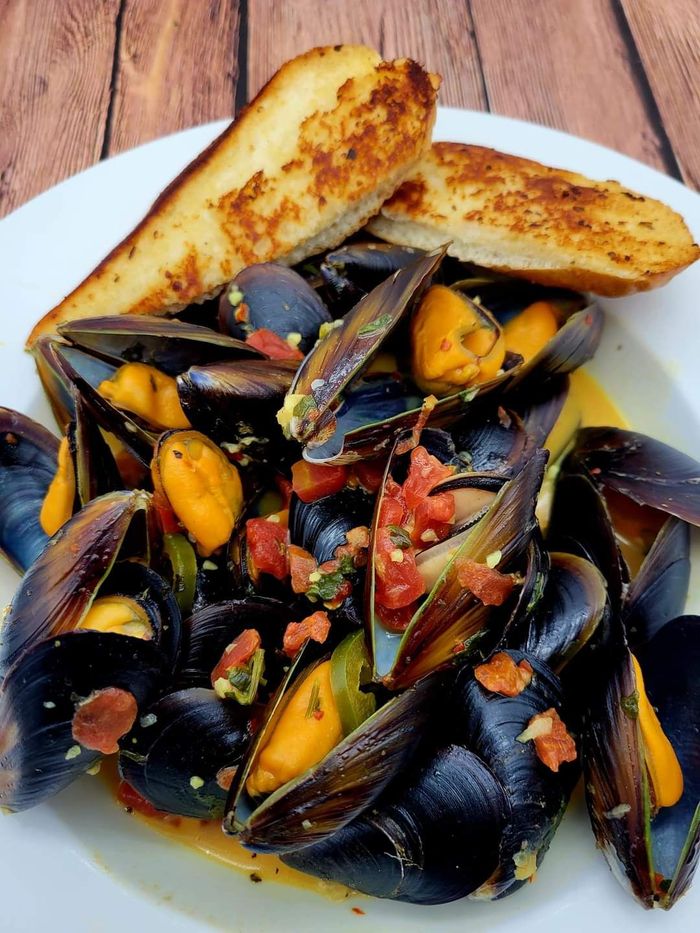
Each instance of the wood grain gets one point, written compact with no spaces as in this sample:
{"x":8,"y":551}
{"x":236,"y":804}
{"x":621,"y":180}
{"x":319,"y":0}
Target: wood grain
{"x":667,"y":36}
{"x":177,"y":66}
{"x":55,"y":69}
{"x":437,"y":34}
{"x":565,"y":63}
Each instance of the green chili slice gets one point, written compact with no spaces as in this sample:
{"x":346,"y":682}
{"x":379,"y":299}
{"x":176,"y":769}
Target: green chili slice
{"x":351,"y":669}
{"x":183,"y":565}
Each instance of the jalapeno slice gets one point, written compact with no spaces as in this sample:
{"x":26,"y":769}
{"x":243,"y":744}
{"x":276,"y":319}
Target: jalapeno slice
{"x":183,"y":564}
{"x":351,"y":669}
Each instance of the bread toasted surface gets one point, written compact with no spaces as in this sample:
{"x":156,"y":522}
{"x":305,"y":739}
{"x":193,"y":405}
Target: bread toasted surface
{"x":310,"y":159}
{"x":548,"y":225}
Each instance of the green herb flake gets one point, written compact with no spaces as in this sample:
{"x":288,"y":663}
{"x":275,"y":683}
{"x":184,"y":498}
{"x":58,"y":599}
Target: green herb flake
{"x":374,"y":327}
{"x":314,"y":701}
{"x":630,"y":705}
{"x":347,"y":565}
{"x":399,"y":537}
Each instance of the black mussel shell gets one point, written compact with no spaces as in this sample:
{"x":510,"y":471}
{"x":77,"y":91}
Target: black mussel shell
{"x":352,"y":271}
{"x":489,"y":725}
{"x":431,"y":838}
{"x":39,"y":754}
{"x":320,"y":527}
{"x":96,"y":471}
{"x":342,"y":785}
{"x":569,"y":612}
{"x":643,"y":469}
{"x":209,"y":631}
{"x":28,"y":455}
{"x":182,"y":755}
{"x":58,"y":588}
{"x":540,"y":406}
{"x":272,"y":297}
{"x":235,"y":401}
{"x":659,"y":591}
{"x":170,"y":345}
{"x":492,"y":440}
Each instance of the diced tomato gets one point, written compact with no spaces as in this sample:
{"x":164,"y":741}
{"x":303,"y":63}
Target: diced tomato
{"x":272,"y":345}
{"x":267,"y":547}
{"x":316,"y":627}
{"x":398,"y":581}
{"x":369,"y":473}
{"x":167,"y":519}
{"x":312,"y":481}
{"x":424,"y":473}
{"x":301,"y":565}
{"x":553,"y":744}
{"x":237,"y":654}
{"x":356,"y":548}
{"x":489,"y":585}
{"x":130,"y":798}
{"x":103,"y":718}
{"x":396,"y":620}
{"x":284,"y":487}
{"x":393,"y":510}
{"x":500,"y":674}
{"x":433,"y":517}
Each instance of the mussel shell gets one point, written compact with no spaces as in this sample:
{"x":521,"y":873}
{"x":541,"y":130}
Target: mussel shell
{"x":96,"y":471}
{"x":320,"y":527}
{"x":672,"y":690}
{"x":643,"y":469}
{"x":355,"y":269}
{"x":59,"y":587}
{"x":209,"y":631}
{"x":659,"y":591}
{"x":540,"y":406}
{"x":38,"y":698}
{"x":28,"y":456}
{"x":183,"y":742}
{"x":489,"y":725}
{"x":232,"y":400}
{"x":451,"y":616}
{"x":345,"y":783}
{"x":569,"y":612}
{"x":432,"y":838}
{"x":170,"y":345}
{"x":276,"y":298}
{"x":492,"y":440}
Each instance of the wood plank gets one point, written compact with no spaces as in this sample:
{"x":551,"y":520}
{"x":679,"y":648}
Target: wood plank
{"x":177,"y":67}
{"x":667,"y":36}
{"x":437,"y":34}
{"x":566,"y":64}
{"x":54,"y":91}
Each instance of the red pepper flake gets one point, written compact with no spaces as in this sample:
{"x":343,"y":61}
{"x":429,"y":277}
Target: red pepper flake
{"x":500,"y":674}
{"x":237,"y":654}
{"x":490,"y":586}
{"x":242,"y":313}
{"x":316,"y":627}
{"x":359,"y":911}
{"x":103,"y":718}
{"x":318,"y":714}
{"x":445,"y":345}
{"x":553,"y":744}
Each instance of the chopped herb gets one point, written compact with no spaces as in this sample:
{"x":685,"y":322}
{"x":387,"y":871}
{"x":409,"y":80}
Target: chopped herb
{"x":347,"y":565}
{"x":374,"y":327}
{"x":399,"y":536}
{"x":314,"y":701}
{"x":630,"y":705}
{"x":327,"y":588}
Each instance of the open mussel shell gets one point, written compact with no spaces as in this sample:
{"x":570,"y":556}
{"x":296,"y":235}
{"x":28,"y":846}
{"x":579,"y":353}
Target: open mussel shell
{"x":41,"y":749}
{"x":345,"y":351}
{"x":641,"y":468}
{"x":232,"y":401}
{"x":451,"y":620}
{"x":492,"y":440}
{"x":344,"y":783}
{"x":171,"y":346}
{"x":320,"y":527}
{"x":489,"y":724}
{"x":208,"y":632}
{"x":352,"y":271}
{"x":430,"y":839}
{"x":28,"y":456}
{"x":183,"y":753}
{"x":569,"y":612}
{"x":654,"y":855}
{"x":59,"y":587}
{"x":96,"y":471}
{"x":269,"y":296}
{"x":539,"y":407}
{"x":659,"y":591}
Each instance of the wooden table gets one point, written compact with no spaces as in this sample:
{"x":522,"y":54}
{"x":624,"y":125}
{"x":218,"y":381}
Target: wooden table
{"x":81,"y":80}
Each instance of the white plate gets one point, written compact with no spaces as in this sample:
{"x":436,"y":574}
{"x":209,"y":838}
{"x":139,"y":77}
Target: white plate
{"x":83,"y":865}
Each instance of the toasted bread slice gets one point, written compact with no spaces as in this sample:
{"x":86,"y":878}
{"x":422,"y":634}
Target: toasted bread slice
{"x":324,"y":143}
{"x":543,"y":224}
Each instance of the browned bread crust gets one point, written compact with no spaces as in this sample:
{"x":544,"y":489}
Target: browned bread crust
{"x":544,"y":224}
{"x":324,"y":143}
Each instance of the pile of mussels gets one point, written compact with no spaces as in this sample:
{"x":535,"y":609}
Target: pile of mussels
{"x":286,"y":564}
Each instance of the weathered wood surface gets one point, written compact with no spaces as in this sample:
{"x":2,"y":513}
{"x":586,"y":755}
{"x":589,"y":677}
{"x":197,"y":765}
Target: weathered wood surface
{"x":84,"y":79}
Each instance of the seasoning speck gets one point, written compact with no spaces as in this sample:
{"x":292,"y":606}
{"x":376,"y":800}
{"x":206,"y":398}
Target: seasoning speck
{"x":255,"y":877}
{"x":49,"y":704}
{"x":493,"y":559}
{"x":196,"y":782}
{"x":73,"y":752}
